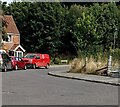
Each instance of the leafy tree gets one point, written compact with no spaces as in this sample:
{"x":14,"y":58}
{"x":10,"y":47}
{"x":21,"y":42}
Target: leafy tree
{"x":3,"y":23}
{"x":66,"y":28}
{"x":107,"y":20}
{"x":96,"y":27}
{"x":70,"y":37}
{"x":42,"y":24}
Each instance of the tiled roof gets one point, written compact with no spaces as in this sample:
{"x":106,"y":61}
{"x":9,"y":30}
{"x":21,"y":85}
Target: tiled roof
{"x":14,"y":46}
{"x":17,"y":46}
{"x":11,"y":26}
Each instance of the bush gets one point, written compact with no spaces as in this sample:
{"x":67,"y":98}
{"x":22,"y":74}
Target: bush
{"x":88,"y":65}
{"x":77,"y":65}
{"x":115,"y":54}
{"x":91,"y":66}
{"x":56,"y":61}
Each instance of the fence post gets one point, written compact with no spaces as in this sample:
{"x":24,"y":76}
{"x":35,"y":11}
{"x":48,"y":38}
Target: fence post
{"x":109,"y":64}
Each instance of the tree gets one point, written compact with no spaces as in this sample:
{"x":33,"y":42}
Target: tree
{"x":3,"y":23}
{"x":42,"y":24}
{"x":63,"y":28}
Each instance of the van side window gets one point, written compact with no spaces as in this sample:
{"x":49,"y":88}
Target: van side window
{"x":37,"y":57}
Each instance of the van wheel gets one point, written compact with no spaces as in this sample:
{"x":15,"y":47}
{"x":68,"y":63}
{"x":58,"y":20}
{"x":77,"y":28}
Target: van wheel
{"x":47,"y":66}
{"x":16,"y":67}
{"x":34,"y":66}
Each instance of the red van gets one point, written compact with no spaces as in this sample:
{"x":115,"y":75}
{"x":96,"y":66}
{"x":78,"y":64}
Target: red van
{"x":37,"y":60}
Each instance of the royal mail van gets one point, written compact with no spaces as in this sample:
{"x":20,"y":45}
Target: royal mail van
{"x":35,"y":60}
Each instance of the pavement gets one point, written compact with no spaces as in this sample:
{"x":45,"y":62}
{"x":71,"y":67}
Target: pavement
{"x":87,"y":77}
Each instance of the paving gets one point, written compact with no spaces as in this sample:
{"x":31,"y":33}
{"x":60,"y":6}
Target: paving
{"x":87,"y":77}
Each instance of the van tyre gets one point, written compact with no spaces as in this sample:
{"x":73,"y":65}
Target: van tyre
{"x":47,"y":66}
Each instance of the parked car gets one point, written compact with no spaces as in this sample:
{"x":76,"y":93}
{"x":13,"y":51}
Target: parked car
{"x":5,"y":62}
{"x":18,"y":63}
{"x":37,"y":60}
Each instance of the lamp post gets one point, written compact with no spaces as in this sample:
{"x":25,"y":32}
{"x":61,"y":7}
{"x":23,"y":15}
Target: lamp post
{"x":110,"y":57}
{"x":115,"y":34}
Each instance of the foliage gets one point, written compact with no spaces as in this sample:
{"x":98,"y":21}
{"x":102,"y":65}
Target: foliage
{"x":56,"y":61}
{"x":97,"y":27}
{"x":89,"y":66}
{"x":73,"y":29}
{"x":3,"y":23}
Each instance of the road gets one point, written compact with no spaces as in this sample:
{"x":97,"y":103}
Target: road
{"x":35,"y":87}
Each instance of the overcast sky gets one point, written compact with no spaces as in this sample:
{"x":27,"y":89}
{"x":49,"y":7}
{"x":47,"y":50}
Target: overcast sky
{"x":8,"y":1}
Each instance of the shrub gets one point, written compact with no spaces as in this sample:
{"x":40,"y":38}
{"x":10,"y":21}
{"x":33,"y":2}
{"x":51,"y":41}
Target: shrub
{"x":56,"y":61}
{"x":88,"y":65}
{"x":77,"y":65}
{"x":91,"y":66}
{"x":115,"y":65}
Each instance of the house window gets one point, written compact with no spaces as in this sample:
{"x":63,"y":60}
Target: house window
{"x":8,"y":38}
{"x":19,"y":54}
{"x":11,"y":53}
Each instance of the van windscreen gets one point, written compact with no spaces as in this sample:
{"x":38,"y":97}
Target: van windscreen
{"x":30,"y":56}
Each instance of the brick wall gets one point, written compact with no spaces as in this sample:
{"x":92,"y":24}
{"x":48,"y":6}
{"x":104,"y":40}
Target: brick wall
{"x":8,"y":45}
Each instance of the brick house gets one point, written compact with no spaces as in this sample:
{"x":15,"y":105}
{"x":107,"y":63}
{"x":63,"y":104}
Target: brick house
{"x":11,"y":44}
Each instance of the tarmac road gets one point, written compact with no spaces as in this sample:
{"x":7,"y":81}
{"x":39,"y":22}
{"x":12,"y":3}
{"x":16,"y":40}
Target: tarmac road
{"x":36,"y":87}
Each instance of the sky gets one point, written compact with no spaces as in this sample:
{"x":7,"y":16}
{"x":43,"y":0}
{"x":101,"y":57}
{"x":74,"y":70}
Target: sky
{"x":8,"y":1}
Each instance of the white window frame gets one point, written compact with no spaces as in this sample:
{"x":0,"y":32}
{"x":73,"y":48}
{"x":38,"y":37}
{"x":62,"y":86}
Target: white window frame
{"x":11,"y":40}
{"x":17,"y":52}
